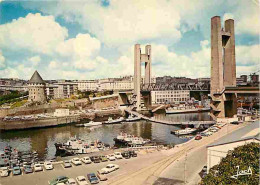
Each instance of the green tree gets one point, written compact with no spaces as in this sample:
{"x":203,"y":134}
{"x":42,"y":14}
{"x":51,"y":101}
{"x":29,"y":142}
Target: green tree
{"x":243,"y":156}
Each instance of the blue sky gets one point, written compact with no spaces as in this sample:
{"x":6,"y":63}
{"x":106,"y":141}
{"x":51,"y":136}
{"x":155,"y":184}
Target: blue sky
{"x":90,"y":39}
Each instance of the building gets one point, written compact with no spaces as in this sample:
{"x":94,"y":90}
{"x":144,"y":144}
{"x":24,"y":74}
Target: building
{"x":88,"y":85}
{"x":242,"y":80}
{"x":170,"y":96}
{"x":116,"y":85}
{"x":65,"y":90}
{"x":219,"y":149}
{"x":36,"y":87}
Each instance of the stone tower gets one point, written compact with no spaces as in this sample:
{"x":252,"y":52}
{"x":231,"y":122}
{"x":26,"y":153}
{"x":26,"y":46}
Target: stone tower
{"x":138,"y":58}
{"x":223,"y":68}
{"x":36,"y":87}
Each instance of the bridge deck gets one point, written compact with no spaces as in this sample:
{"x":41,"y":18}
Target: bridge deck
{"x":169,"y":122}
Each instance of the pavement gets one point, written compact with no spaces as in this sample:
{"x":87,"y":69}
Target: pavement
{"x":173,"y":166}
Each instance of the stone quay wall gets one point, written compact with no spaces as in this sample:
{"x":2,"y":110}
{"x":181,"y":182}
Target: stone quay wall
{"x":37,"y":123}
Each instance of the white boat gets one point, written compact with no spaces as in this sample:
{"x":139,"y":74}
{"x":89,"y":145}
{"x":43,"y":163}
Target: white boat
{"x":92,"y":123}
{"x":113,"y":121}
{"x":132,"y":118}
{"x":185,"y":131}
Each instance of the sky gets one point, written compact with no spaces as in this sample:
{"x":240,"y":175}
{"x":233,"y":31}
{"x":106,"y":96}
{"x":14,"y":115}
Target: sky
{"x":91,"y":39}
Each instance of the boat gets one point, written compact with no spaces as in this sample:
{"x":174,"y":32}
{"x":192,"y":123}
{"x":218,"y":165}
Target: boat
{"x":89,"y":124}
{"x":114,"y":121}
{"x":130,"y":140}
{"x":184,"y":131}
{"x":132,"y":118}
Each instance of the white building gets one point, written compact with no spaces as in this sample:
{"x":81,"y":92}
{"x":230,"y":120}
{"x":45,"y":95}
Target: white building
{"x":88,"y":85}
{"x":61,"y":112}
{"x":170,"y":96}
{"x":117,"y":85}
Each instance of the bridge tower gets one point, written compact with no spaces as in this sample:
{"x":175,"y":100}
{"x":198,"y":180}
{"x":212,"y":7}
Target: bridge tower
{"x":138,"y":59}
{"x":223,"y":68}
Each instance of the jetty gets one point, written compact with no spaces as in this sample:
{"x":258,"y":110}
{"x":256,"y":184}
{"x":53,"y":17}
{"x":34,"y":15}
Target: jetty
{"x":166,"y":122}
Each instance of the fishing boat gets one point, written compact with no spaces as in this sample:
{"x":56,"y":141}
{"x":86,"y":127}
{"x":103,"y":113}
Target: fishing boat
{"x":114,"y":121}
{"x":132,"y":118}
{"x":128,"y":139}
{"x":184,"y":131}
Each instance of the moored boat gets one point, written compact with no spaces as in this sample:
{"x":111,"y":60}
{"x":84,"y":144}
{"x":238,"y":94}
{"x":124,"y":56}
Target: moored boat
{"x":89,"y":124}
{"x":114,"y":121}
{"x":132,"y":118}
{"x":184,"y":131}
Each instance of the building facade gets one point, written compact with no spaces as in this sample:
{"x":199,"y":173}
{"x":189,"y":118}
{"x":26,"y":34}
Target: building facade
{"x":170,"y":96}
{"x":88,"y":85}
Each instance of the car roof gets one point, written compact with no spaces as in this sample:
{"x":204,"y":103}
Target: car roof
{"x":81,"y":177}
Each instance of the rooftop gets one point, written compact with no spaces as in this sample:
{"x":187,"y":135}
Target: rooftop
{"x":36,"y":78}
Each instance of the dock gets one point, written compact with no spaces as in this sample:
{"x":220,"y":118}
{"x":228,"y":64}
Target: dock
{"x":166,"y":122}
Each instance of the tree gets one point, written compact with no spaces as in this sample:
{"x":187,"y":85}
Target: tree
{"x":243,"y":156}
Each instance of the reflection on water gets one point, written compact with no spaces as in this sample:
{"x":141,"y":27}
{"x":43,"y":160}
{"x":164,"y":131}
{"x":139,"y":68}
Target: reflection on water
{"x":42,"y":140}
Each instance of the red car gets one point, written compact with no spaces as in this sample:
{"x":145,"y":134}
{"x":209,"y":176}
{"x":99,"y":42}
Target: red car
{"x":198,"y":137}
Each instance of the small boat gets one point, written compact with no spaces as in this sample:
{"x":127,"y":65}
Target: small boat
{"x":89,"y":124}
{"x":132,"y":118}
{"x":127,"y":139}
{"x":184,"y":131}
{"x":114,"y":121}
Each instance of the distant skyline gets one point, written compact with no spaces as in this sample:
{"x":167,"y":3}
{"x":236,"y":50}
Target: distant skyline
{"x":94,"y":39}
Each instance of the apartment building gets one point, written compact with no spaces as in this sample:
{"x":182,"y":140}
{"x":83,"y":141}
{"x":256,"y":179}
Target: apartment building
{"x":170,"y":96}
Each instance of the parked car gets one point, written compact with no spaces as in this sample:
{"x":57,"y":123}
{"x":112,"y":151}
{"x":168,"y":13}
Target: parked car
{"x":95,"y":159}
{"x":17,"y":170}
{"x":28,"y":169}
{"x":81,"y":180}
{"x":133,"y":153}
{"x":103,"y":158}
{"x":111,"y":157}
{"x":92,"y":178}
{"x":101,"y":175}
{"x":4,"y":172}
{"x":86,"y":160}
{"x":109,"y":168}
{"x":71,"y":181}
{"x":67,"y":164}
{"x":76,"y":161}
{"x":118,"y":155}
{"x":38,"y":167}
{"x":60,"y":179}
{"x":48,"y":165}
{"x":126,"y":155}
{"x":198,"y":137}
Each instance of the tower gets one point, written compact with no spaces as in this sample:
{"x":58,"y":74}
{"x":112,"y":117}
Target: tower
{"x":36,"y":87}
{"x":223,"y":68}
{"x":138,"y":59}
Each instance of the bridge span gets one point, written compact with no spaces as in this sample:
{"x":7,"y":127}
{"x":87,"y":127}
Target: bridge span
{"x":166,"y":122}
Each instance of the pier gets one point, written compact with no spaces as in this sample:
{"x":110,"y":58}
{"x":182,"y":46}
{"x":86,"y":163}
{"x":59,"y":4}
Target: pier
{"x":166,"y":122}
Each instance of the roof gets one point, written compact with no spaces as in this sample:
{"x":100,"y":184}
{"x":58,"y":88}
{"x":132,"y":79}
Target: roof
{"x":239,"y":135}
{"x":36,"y":78}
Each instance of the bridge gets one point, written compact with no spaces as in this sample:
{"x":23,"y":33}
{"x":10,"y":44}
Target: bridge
{"x":166,"y":122}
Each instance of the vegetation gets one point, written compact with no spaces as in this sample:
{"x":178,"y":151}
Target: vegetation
{"x":12,"y":97}
{"x":243,"y":156}
{"x":18,"y":104}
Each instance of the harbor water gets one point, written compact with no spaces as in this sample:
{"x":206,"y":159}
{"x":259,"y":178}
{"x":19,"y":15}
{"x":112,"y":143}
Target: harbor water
{"x":42,"y":140}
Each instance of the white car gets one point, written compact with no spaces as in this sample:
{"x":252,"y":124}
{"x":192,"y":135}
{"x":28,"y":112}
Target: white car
{"x":4,"y":172}
{"x":71,"y":181}
{"x":48,"y":165}
{"x":76,"y":161}
{"x":118,"y":155}
{"x":81,"y":180}
{"x":38,"y":167}
{"x":109,"y":168}
{"x":86,"y":160}
{"x":111,"y":157}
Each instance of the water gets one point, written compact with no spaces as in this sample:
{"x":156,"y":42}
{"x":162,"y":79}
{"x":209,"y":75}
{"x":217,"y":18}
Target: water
{"x":42,"y":140}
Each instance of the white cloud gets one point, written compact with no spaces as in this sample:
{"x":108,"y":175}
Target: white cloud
{"x":35,"y":32}
{"x":2,"y":60}
{"x":247,"y":55}
{"x":53,"y":64}
{"x":35,"y":60}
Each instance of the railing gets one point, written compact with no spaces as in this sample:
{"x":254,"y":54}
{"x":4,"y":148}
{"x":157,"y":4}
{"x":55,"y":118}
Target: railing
{"x":176,"y":86}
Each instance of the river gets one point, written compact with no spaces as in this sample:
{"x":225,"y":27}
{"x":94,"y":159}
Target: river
{"x":42,"y":140}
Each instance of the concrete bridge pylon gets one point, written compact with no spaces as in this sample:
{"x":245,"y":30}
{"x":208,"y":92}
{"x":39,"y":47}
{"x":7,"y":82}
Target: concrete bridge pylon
{"x":138,"y":59}
{"x":223,"y":68}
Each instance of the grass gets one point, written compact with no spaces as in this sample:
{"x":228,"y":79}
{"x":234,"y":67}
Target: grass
{"x":18,"y":104}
